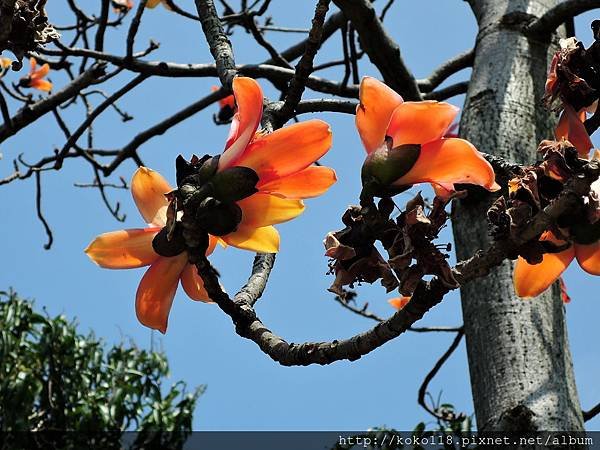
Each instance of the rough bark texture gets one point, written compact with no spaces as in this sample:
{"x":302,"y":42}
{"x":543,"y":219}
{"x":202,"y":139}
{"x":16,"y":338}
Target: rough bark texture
{"x":519,"y":359}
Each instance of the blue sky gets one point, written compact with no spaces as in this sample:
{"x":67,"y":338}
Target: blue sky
{"x":246,"y":390}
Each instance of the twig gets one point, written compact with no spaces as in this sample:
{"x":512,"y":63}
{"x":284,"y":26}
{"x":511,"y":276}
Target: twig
{"x":433,"y":372}
{"x":31,"y":113}
{"x":38,"y":207}
{"x":130,"y":149}
{"x":383,"y":51}
{"x":91,"y":117}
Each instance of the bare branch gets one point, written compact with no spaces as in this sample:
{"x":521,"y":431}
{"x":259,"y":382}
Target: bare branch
{"x":38,"y":208}
{"x":589,"y":415}
{"x":560,"y":14}
{"x":425,"y":296}
{"x":449,"y":68}
{"x":219,"y":44}
{"x":433,"y":372}
{"x":448,"y":92}
{"x":381,"y":48}
{"x":91,"y":117}
{"x":305,"y":66}
{"x":30,"y":113}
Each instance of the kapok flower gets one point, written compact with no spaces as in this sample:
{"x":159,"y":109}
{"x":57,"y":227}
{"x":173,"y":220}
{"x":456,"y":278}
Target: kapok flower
{"x":406,"y":145}
{"x":399,"y":302}
{"x":226,"y":108}
{"x":258,"y":181}
{"x":571,"y":127}
{"x":531,"y":280}
{"x":34,"y":78}
{"x":133,"y":248}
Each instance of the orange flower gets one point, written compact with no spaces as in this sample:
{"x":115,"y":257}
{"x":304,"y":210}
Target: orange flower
{"x":571,"y":127}
{"x":285,"y":177}
{"x":399,"y":302}
{"x":531,"y":280}
{"x":35,"y":77}
{"x":406,"y":143}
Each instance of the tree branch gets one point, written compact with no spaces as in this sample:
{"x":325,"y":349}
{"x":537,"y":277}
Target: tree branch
{"x":449,"y":68}
{"x":219,"y":44}
{"x":30,"y":113}
{"x":304,"y":67}
{"x":433,"y":372}
{"x":589,"y":415}
{"x":425,"y":296}
{"x":381,"y":48}
{"x":561,"y":13}
{"x":448,"y":92}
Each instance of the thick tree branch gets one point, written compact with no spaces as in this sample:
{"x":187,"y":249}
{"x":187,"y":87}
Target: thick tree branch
{"x":381,"y":48}
{"x":448,"y":92}
{"x":560,"y":14}
{"x":274,"y":74}
{"x":219,"y":44}
{"x":449,"y":68}
{"x":426,"y":295}
{"x":589,"y":415}
{"x":304,"y":67}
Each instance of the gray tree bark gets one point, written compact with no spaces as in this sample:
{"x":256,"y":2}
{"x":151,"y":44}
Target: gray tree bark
{"x":519,"y":358}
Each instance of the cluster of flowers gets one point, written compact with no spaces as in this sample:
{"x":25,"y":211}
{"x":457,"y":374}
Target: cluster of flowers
{"x":410,"y":136}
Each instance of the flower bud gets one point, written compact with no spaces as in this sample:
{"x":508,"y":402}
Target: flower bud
{"x":385,"y":165}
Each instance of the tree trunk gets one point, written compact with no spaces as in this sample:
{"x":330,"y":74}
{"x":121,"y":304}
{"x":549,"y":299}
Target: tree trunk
{"x":519,"y":359}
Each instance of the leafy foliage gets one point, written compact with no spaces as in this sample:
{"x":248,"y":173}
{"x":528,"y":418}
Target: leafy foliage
{"x":52,"y":378}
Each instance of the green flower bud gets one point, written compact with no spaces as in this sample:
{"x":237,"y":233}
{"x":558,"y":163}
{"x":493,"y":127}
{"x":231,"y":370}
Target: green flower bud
{"x":385,"y":165}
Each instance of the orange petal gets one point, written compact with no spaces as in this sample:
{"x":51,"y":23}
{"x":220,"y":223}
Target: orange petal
{"x":588,"y":257}
{"x":260,"y":210}
{"x":310,"y":182}
{"x":5,"y":63}
{"x":421,"y":122}
{"x":531,"y":280}
{"x":152,"y":3}
{"x":260,"y":240}
{"x":156,"y":291}
{"x":123,"y":249}
{"x":41,"y":72}
{"x":571,"y":127}
{"x":377,"y":103}
{"x":399,"y":302}
{"x":249,"y":100}
{"x":449,"y":161}
{"x":148,"y":189}
{"x":287,"y":150}
{"x":42,"y":85}
{"x":193,"y":285}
